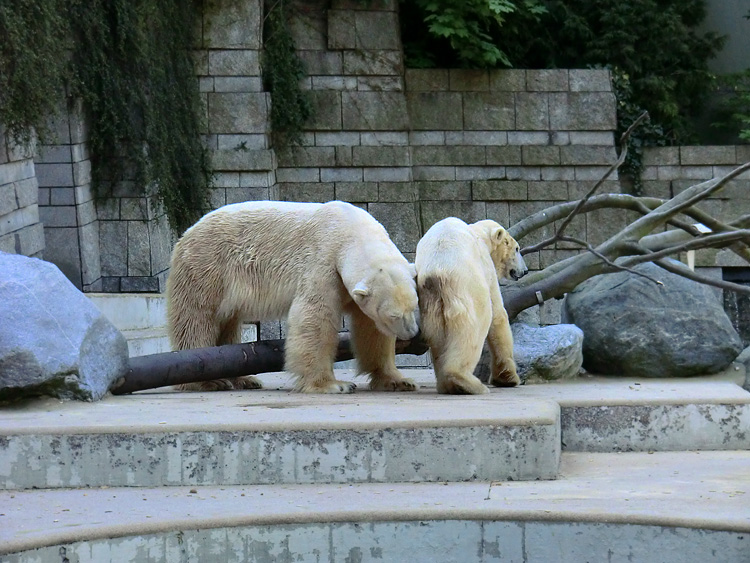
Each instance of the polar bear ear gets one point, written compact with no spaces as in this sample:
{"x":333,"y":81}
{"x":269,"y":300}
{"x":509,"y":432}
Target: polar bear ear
{"x":361,"y":289}
{"x":498,"y":233}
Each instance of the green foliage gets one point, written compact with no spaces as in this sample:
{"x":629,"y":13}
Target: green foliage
{"x":734,"y":108}
{"x":647,"y":134}
{"x":130,"y":62}
{"x":33,"y":67}
{"x":282,"y":72}
{"x":654,"y":42}
{"x":470,"y":34}
{"x":133,"y":69}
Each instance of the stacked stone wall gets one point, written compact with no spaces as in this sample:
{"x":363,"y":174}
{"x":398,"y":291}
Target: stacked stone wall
{"x":21,"y":232}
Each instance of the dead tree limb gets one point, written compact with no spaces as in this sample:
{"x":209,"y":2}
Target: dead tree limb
{"x":218,"y":362}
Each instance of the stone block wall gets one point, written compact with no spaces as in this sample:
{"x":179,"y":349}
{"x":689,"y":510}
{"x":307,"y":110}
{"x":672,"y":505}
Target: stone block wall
{"x":670,"y":170}
{"x":66,"y":202}
{"x":21,"y":232}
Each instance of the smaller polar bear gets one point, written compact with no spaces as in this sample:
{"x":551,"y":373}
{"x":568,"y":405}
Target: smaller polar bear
{"x":458,"y":267}
{"x":308,"y":263}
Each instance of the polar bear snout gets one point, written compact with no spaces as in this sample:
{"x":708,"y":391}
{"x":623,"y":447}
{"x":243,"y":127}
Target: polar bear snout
{"x":410,"y":326}
{"x":519,"y":270}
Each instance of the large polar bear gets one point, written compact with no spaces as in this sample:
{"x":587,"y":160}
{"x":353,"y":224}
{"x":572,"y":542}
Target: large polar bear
{"x":309,"y":262}
{"x":458,"y":266}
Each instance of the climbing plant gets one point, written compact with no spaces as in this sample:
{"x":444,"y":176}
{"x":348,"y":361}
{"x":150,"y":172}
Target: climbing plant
{"x":33,"y":68}
{"x":282,"y":71}
{"x":130,"y":62}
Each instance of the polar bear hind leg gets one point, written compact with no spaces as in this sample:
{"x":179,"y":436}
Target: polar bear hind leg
{"x":374,"y":352}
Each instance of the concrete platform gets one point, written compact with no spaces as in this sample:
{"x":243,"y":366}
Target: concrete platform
{"x":274,"y":436}
{"x":661,"y":507}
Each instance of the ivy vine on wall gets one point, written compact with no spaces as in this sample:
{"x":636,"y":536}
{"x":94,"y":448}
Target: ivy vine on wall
{"x":130,"y":62}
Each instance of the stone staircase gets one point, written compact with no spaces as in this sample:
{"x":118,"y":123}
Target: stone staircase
{"x":592,"y":470}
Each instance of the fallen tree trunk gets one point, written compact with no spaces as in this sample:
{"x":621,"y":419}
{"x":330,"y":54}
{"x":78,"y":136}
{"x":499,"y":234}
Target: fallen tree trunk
{"x":219,"y":362}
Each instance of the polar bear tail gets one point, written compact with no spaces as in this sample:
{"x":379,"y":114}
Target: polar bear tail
{"x":441,"y":305}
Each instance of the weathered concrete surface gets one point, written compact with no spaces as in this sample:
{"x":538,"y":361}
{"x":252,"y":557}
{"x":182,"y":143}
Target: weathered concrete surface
{"x":273,"y":436}
{"x":619,"y":507}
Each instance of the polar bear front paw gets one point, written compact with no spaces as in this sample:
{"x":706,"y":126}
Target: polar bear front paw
{"x":505,"y":377}
{"x":330,"y":387}
{"x":392,"y":384}
{"x":461,"y":385}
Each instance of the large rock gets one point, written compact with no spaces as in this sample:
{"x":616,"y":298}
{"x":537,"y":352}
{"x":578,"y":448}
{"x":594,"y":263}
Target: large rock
{"x":541,"y":353}
{"x":53,"y":340}
{"x":633,"y":327}
{"x":547,"y":352}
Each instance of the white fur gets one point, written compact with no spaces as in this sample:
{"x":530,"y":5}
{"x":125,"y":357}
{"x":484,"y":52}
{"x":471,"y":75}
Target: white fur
{"x":458,"y":266}
{"x":309,"y":262}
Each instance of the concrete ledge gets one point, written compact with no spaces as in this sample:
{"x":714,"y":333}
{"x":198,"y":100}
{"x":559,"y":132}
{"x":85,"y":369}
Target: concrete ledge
{"x":634,"y":506}
{"x":261,"y":437}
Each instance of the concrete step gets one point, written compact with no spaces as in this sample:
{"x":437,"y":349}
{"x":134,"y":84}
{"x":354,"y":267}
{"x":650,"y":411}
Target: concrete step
{"x":666,"y":507}
{"x":274,"y":436}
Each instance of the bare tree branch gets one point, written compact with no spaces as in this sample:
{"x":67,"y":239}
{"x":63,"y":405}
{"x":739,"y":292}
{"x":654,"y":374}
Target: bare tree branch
{"x":705,"y":241}
{"x":686,"y":272}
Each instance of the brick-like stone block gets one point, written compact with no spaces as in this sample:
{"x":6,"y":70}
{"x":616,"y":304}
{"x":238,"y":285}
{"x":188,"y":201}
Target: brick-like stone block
{"x":54,"y":175}
{"x":384,"y":174}
{"x":385,"y":138}
{"x":532,"y":111}
{"x":397,"y":191}
{"x":600,"y":138}
{"x":62,"y":249}
{"x":344,"y":156}
{"x":457,"y":155}
{"x":238,"y":195}
{"x":554,"y":173}
{"x":737,"y":191}
{"x":57,"y":216}
{"x":325,"y":63}
{"x":481,"y":172}
{"x":523,"y":172}
{"x":547,"y":80}
{"x":139,"y":249}
{"x":743,"y":154}
{"x":499,"y":190}
{"x":550,"y":191}
{"x":306,"y":191}
{"x":309,"y":28}
{"x":30,"y":240}
{"x":435,"y":111}
{"x":374,"y":111}
{"x":50,"y":154}
{"x":576,"y":155}
{"x":233,"y":25}
{"x":583,"y":111}
{"x":434,"y":172}
{"x":444,"y":191}
{"x":380,"y":63}
{"x":356,"y":191}
{"x":341,"y":174}
{"x":661,"y":156}
{"x":234,"y":62}
{"x":9,"y":243}
{"x":306,"y":156}
{"x":338,"y":139}
{"x":468,"y":80}
{"x":8,"y":201}
{"x":593,"y":173}
{"x":427,"y":80}
{"x":285,"y":175}
{"x":242,"y":160}
{"x":708,"y":155}
{"x":505,"y":155}
{"x":656,"y":188}
{"x":520,"y":210}
{"x":237,"y":84}
{"x":483,"y":138}
{"x":507,"y":80}
{"x":162,"y":241}
{"x":401,"y":221}
{"x":377,"y":30}
{"x":431,"y":138}
{"x":487,"y":111}
{"x":85,"y":213}
{"x":241,"y":142}
{"x":468,"y":211}
{"x":540,"y":155}
{"x":82,"y":173}
{"x":238,"y":112}
{"x":590,"y":80}
{"x":528,"y":137}
{"x":133,"y":209}
{"x":88,"y":238}
{"x":341,"y":32}
{"x":326,"y":114}
{"x":499,"y":211}
{"x":381,"y":156}
{"x":605,"y":223}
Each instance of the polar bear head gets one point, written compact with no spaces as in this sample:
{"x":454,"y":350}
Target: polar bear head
{"x":389,"y":297}
{"x":504,"y":250}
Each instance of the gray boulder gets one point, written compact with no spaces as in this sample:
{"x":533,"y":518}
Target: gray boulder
{"x":53,"y":340}
{"x":547,"y":352}
{"x":635,"y":328}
